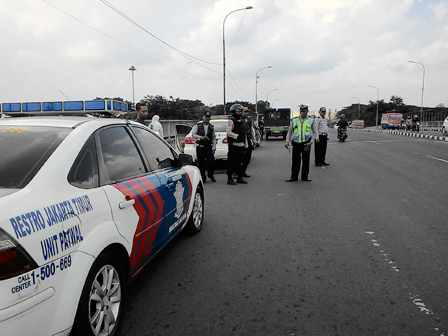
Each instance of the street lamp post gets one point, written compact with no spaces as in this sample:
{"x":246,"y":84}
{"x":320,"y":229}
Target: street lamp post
{"x":224,"y":54}
{"x":359,"y":106}
{"x":267,"y":96}
{"x":256,"y":86}
{"x":274,"y":102}
{"x":132,"y":68}
{"x":377,"y":100}
{"x":423,"y":87}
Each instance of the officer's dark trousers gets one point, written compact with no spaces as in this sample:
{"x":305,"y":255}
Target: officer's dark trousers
{"x":206,"y":160}
{"x":235,"y":157}
{"x":320,"y":151}
{"x":300,"y":154}
{"x":246,"y":158}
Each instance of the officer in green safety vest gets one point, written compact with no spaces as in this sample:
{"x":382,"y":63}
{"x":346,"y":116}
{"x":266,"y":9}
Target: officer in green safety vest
{"x":301,"y":134}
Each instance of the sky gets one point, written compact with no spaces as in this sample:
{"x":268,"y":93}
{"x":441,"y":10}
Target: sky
{"x":331,"y":53}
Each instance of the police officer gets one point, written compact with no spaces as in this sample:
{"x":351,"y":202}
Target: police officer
{"x":300,"y":134}
{"x":142,"y":113}
{"x":250,"y":136}
{"x":320,"y":149}
{"x":205,"y":136}
{"x":237,"y":142}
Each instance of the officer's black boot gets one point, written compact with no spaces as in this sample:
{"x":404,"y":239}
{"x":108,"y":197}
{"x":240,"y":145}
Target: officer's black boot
{"x":230,"y":181}
{"x":240,"y":180}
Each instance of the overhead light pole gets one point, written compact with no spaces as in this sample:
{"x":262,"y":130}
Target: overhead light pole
{"x":267,"y":96}
{"x":132,"y":68}
{"x":377,"y":103}
{"x":224,"y":55}
{"x":274,"y":102}
{"x":359,"y":106}
{"x":256,"y":85}
{"x":423,"y":87}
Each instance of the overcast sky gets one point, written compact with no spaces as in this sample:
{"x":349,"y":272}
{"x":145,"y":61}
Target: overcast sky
{"x":322,"y":52}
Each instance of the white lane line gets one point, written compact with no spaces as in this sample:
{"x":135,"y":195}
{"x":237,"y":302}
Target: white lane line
{"x":439,"y":159}
{"x":414,"y":298}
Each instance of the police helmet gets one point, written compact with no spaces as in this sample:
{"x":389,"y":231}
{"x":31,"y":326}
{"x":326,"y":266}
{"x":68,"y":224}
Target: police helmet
{"x":342,"y":116}
{"x":236,"y":108}
{"x":303,"y":107}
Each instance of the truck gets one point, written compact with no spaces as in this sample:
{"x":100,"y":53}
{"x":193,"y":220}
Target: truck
{"x":276,"y":122}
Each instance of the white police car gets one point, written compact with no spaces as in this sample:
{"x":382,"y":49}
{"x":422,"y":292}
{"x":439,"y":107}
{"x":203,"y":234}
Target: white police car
{"x":445,"y":126}
{"x":85,"y":203}
{"x":221,"y":140}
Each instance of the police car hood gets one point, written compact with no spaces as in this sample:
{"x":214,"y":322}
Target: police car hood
{"x":7,"y":191}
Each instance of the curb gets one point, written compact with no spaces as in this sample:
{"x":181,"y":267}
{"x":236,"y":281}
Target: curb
{"x":409,"y":134}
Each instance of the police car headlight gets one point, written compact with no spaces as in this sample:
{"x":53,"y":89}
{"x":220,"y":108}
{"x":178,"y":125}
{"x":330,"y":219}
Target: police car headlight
{"x":13,"y":258}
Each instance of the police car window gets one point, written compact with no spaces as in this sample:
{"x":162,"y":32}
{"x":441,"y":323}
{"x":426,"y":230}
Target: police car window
{"x":159,"y":155}
{"x":119,"y":154}
{"x":23,"y":151}
{"x":84,"y":172}
{"x":220,"y":126}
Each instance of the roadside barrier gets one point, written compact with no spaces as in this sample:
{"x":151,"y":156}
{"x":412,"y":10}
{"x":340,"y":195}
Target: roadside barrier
{"x":409,"y":134}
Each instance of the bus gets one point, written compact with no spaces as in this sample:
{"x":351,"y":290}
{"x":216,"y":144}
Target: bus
{"x":391,"y":120}
{"x":357,"y":123}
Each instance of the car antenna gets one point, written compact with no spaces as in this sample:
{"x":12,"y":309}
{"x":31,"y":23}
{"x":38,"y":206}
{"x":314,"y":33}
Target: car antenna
{"x":63,"y":94}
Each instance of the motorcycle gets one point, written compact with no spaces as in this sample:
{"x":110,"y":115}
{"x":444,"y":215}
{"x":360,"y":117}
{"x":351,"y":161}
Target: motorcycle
{"x":413,"y":126}
{"x":342,"y":134}
{"x":417,"y":126}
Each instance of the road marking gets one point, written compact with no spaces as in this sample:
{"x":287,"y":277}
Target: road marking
{"x":377,"y":142}
{"x":414,"y":298}
{"x":432,"y":157}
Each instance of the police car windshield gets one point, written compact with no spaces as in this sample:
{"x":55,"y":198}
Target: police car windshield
{"x":23,"y":151}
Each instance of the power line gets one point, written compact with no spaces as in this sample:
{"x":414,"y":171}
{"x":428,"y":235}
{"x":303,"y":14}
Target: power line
{"x":236,"y":35}
{"x":127,"y":46}
{"x":190,"y":57}
{"x":228,"y":72}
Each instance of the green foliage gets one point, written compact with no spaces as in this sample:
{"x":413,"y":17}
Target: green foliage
{"x":183,"y":109}
{"x":174,"y":109}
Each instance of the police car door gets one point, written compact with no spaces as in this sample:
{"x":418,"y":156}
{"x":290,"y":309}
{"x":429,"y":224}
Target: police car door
{"x":133,"y":193}
{"x":175,"y":185}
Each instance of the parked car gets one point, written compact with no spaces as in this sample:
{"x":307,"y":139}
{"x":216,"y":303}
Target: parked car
{"x":221,"y":139}
{"x":445,"y":126}
{"x":85,"y":204}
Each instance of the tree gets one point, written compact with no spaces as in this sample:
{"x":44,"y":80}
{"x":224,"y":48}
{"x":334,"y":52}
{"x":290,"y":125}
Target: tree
{"x":173,"y":109}
{"x":396,"y":100}
{"x":397,"y":105}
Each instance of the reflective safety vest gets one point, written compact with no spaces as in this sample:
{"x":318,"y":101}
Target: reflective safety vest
{"x":302,"y":132}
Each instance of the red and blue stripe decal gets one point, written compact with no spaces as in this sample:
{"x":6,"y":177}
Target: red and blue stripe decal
{"x":150,"y":208}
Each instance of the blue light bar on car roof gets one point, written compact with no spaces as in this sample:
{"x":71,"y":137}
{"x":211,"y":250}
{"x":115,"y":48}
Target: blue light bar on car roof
{"x":86,"y":106}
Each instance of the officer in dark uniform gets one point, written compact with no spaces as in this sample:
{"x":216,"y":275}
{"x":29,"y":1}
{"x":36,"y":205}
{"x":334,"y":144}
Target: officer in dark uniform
{"x":205,"y":136}
{"x":237,"y":142}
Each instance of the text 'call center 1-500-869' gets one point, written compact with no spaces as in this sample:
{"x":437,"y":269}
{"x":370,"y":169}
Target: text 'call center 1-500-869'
{"x":41,"y":274}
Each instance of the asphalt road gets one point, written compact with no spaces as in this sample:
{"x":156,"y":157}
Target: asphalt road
{"x":360,"y":250}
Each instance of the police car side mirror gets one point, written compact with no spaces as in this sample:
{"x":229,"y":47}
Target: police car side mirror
{"x":185,"y":159}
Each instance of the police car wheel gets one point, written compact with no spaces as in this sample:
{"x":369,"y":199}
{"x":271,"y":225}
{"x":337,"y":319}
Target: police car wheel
{"x":194,"y":224}
{"x":102,"y":298}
